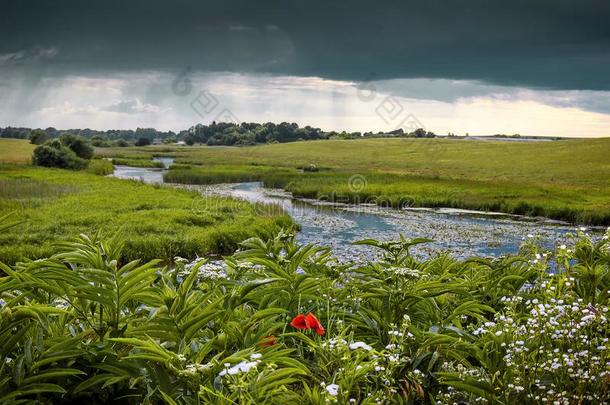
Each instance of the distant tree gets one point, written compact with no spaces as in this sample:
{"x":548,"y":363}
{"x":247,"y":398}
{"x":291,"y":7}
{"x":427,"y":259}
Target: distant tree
{"x":121,"y":143}
{"x":38,"y":137}
{"x":79,"y":145}
{"x":143,"y":142}
{"x":189,"y":140}
{"x":419,"y":133}
{"x":100,"y":141}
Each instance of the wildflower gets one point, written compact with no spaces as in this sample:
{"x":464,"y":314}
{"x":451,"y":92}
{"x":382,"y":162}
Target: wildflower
{"x":241,"y":367}
{"x":307,"y":322}
{"x":332,"y":389}
{"x":360,"y":345}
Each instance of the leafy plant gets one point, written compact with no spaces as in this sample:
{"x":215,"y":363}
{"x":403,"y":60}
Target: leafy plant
{"x":87,"y":325}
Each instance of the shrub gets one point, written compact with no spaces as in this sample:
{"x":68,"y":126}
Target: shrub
{"x":143,"y":142}
{"x":100,"y":142}
{"x":55,"y":154}
{"x":79,"y":145}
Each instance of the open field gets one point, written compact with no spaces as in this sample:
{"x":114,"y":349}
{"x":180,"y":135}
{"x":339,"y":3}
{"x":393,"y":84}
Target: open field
{"x":566,"y":180}
{"x":158,"y":222}
{"x":15,"y":150}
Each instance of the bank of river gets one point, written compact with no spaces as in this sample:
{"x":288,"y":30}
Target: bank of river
{"x":461,"y":233}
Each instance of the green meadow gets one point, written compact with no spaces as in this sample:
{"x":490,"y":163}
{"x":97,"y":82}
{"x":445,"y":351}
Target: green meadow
{"x":565,"y":180}
{"x":157,"y":222}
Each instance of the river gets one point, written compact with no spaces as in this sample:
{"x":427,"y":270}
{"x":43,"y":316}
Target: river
{"x":461,"y":233}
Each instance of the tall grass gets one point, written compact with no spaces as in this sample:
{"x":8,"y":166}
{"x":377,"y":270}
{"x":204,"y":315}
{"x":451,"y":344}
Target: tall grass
{"x":138,"y":163}
{"x":159,"y":222}
{"x":222,"y":174}
{"x":100,"y":167}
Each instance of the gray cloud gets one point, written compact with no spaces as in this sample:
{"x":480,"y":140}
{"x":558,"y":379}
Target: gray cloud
{"x":27,"y":56}
{"x":134,"y":106}
{"x":560,"y":44}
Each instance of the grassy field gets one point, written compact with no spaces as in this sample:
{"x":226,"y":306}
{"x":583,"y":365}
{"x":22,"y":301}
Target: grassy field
{"x":15,"y":150}
{"x":158,"y":222}
{"x":567,"y":180}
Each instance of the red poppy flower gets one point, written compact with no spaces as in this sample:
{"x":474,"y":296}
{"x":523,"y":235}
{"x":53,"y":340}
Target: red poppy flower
{"x":313,"y":323}
{"x":307,"y":322}
{"x":268,"y":341}
{"x":299,"y":322}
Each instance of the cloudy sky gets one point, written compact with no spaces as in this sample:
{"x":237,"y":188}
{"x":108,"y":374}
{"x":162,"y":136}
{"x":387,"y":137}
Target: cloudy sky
{"x":539,"y":67}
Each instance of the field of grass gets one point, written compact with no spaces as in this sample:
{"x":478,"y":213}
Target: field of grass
{"x":158,"y":222}
{"x":566,"y":180}
{"x":15,"y":150}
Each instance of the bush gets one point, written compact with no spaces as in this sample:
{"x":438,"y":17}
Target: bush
{"x":143,"y":142}
{"x":55,"y":154}
{"x":79,"y":145}
{"x":100,"y":142}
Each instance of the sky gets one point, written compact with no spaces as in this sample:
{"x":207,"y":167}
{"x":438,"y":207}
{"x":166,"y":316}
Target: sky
{"x":536,"y":67}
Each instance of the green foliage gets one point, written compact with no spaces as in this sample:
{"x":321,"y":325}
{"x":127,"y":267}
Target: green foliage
{"x":87,"y":325}
{"x":81,"y":147}
{"x":38,"y":137}
{"x":143,"y":142}
{"x":100,"y":167}
{"x":54,"y":154}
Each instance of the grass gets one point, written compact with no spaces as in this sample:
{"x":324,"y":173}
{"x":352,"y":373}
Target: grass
{"x":100,"y":167}
{"x":224,"y":174}
{"x":138,"y":163}
{"x":19,"y":151}
{"x":566,"y":180}
{"x":157,"y":221}
{"x":15,"y":150}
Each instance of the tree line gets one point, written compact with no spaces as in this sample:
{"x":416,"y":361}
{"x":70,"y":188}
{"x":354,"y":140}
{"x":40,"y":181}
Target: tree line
{"x":221,"y":133}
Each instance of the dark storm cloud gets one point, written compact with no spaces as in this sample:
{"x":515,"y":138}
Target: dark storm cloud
{"x":555,"y":44}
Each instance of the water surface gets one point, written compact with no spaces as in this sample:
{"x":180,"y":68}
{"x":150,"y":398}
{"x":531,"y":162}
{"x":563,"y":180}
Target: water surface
{"x":459,"y":232}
